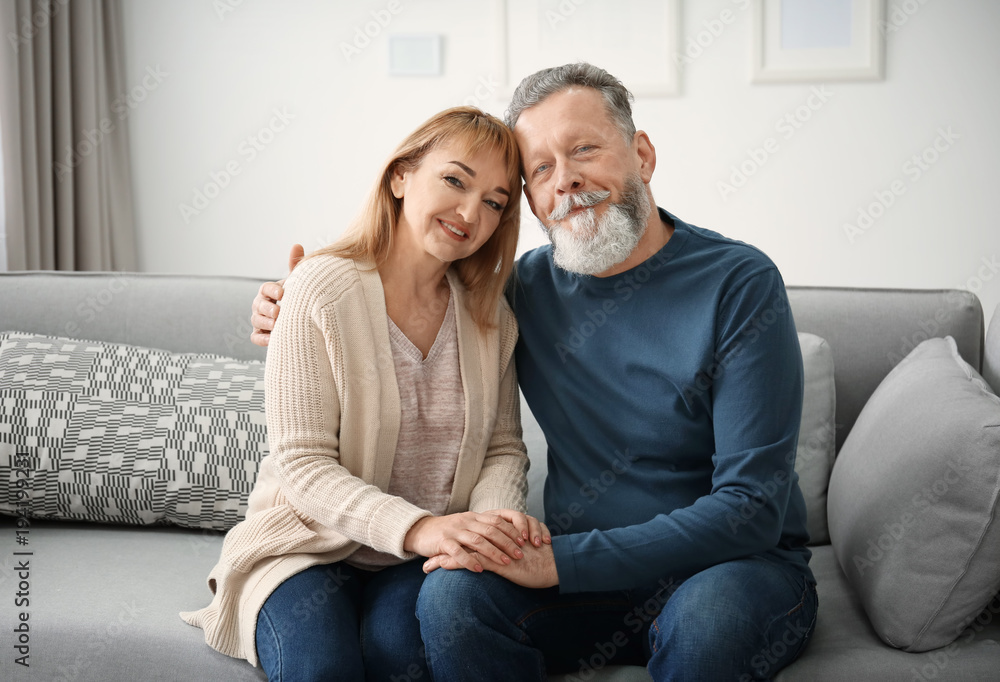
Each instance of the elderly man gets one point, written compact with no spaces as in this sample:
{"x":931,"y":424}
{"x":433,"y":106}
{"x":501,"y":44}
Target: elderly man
{"x":662,"y":364}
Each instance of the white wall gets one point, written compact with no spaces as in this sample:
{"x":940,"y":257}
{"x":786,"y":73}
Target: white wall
{"x":226,"y":73}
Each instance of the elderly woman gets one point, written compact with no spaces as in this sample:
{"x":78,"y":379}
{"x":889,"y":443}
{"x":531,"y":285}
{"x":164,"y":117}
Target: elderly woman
{"x":393,"y":420}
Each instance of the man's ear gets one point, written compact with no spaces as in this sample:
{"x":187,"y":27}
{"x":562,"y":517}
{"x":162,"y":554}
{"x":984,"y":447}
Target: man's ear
{"x":646,"y":153}
{"x":397,"y":181}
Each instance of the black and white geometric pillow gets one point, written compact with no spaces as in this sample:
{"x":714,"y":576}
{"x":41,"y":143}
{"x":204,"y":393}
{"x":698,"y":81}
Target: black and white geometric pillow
{"x":122,"y":434}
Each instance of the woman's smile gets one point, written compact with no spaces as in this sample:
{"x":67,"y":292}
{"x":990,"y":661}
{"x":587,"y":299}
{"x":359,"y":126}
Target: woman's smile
{"x":453,"y":230}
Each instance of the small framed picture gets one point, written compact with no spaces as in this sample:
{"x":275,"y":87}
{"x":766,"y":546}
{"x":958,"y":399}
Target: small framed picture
{"x":818,"y":40}
{"x":415,"y":55}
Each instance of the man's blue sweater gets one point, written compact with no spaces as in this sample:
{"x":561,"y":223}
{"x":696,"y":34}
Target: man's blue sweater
{"x":670,"y":397}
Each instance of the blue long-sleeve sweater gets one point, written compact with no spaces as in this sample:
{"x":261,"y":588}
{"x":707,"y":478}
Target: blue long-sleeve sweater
{"x":670,"y":397}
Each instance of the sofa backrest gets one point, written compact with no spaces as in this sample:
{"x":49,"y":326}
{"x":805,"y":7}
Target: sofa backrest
{"x":178,"y":313}
{"x":871,"y":330}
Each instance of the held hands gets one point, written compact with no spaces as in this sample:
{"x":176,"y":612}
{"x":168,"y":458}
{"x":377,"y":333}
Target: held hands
{"x":536,"y":569}
{"x":470,"y":539}
{"x":460,"y":536}
{"x":264,"y":310}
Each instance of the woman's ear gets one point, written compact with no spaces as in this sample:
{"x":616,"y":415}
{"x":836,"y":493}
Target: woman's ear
{"x":397,"y":181}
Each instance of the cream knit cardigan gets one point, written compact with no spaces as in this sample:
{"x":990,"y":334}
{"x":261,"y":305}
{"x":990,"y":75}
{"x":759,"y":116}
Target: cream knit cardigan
{"x":333,"y":416}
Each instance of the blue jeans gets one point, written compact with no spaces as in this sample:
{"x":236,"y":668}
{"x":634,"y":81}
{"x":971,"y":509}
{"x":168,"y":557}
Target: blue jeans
{"x":337,"y":622}
{"x":740,"y":620}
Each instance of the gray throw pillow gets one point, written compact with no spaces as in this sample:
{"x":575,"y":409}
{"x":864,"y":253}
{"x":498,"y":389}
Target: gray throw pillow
{"x":817,"y":435}
{"x":108,"y":432}
{"x":991,"y":354}
{"x":912,"y":499}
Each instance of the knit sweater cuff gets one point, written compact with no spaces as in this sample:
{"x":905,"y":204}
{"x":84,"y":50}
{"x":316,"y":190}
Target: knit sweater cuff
{"x":496,"y":498}
{"x":390,"y":523}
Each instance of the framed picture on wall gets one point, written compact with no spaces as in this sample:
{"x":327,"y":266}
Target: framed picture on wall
{"x":817,"y":40}
{"x":636,"y":40}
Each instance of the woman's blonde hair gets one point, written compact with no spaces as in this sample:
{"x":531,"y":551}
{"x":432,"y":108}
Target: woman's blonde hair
{"x":484,"y":273}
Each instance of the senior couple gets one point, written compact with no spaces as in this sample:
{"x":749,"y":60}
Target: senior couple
{"x":386,"y":537}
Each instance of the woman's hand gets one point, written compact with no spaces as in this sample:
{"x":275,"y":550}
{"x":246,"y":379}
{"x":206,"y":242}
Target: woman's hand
{"x":531,"y":529}
{"x":537,"y":568}
{"x":459,"y":536}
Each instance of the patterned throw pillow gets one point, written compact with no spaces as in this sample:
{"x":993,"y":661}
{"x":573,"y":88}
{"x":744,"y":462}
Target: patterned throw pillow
{"x":119,"y":434}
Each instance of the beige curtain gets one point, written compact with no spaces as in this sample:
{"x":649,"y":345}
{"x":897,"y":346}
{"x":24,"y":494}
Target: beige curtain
{"x":67,"y":187}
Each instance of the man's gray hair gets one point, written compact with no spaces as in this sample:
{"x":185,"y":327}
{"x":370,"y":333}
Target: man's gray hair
{"x":536,"y":87}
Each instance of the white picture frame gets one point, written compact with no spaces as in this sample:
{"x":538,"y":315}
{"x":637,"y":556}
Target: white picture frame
{"x":862,"y":60}
{"x":637,"y":41}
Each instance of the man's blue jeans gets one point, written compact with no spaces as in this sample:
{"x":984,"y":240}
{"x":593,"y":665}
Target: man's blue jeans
{"x":741,"y":620}
{"x":337,"y":622}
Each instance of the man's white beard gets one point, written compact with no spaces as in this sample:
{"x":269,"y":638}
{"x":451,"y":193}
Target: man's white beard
{"x":593,"y":246}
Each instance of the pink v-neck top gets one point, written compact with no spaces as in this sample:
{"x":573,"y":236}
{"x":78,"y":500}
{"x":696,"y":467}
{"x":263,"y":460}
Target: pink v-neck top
{"x":432,"y":419}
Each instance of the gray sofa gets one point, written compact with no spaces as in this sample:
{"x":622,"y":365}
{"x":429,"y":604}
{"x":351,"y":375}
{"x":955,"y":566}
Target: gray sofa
{"x":104,"y":598}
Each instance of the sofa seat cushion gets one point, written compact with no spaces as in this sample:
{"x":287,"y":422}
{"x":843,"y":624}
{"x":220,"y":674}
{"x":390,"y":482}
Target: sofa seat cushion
{"x":103,"y":604}
{"x":104,"y":599}
{"x":122,"y":434}
{"x":913,"y":499}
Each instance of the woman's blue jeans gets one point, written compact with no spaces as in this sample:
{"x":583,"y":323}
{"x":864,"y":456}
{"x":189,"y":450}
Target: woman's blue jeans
{"x":737,"y":621}
{"x":337,"y":622}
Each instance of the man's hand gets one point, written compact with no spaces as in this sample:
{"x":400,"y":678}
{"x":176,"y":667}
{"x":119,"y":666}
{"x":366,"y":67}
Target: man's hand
{"x":265,"y":308}
{"x":536,"y":570}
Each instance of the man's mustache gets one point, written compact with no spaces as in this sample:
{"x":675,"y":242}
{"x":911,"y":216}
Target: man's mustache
{"x":580,"y":199}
